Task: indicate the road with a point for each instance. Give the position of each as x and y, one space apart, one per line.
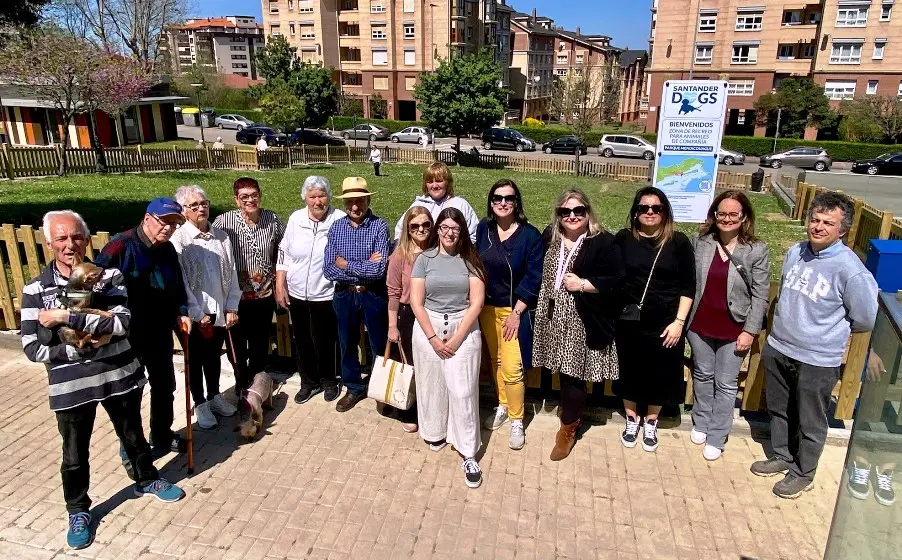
881 192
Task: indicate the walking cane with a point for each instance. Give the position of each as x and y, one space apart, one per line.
189 438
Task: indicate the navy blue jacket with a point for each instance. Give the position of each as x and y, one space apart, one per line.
521 281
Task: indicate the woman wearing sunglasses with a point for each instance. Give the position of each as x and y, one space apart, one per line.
575 316
438 194
511 249
414 237
660 285
732 274
447 289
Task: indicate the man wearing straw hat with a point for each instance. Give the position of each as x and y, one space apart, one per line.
355 259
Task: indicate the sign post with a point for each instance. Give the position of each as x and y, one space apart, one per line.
689 134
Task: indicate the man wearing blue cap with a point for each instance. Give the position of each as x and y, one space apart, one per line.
159 304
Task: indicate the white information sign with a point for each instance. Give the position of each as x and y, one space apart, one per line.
689 134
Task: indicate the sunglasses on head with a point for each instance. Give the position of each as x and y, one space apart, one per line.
578 211
501 198
655 208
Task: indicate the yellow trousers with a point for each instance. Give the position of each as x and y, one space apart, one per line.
505 356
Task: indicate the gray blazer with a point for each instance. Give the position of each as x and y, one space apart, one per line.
747 308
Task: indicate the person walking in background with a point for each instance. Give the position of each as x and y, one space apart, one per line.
732 277
255 234
376 159
511 250
414 236
302 288
438 194
261 144
447 289
581 274
158 301
218 145
657 298
205 254
826 293
356 259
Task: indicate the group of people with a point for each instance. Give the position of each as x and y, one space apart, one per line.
576 299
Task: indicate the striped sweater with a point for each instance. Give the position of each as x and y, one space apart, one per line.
93 375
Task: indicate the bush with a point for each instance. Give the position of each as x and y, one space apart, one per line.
839 151
533 123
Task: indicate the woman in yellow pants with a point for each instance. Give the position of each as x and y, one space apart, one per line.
512 251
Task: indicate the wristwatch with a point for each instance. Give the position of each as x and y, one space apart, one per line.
518 312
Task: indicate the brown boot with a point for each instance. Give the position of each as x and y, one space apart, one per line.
565 440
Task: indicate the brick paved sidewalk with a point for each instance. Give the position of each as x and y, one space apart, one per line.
325 485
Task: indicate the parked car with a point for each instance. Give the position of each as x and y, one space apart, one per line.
419 134
251 134
497 137
626 145
366 131
565 145
313 137
884 164
800 156
729 157
238 122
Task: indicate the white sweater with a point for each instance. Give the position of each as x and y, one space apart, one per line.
301 255
435 208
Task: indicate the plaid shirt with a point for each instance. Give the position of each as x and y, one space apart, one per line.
356 245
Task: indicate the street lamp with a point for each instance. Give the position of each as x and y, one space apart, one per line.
535 84
200 120
779 114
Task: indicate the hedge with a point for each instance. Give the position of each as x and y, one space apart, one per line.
252 114
839 151
343 123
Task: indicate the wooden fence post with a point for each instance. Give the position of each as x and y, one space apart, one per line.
349 153
304 153
851 376
327 154
886 225
15 257
8 163
235 150
32 259
207 155
140 159
175 157
7 310
754 381
852 235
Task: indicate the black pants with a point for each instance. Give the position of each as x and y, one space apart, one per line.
251 336
75 427
406 320
573 398
376 167
315 342
204 355
154 346
798 395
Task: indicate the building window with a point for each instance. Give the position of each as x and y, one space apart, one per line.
410 31
241 74
308 32
872 87
886 11
808 51
879 46
745 54
846 53
377 7
378 32
274 30
786 52
239 65
792 17
291 28
380 58
749 21
239 57
351 79
469 9
852 16
745 88
562 59
740 117
835 89
380 83
580 58
561 71
237 48
899 91
410 57
410 82
707 23
704 54
408 6
305 6
469 32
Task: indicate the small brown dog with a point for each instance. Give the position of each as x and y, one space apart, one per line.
76 295
253 400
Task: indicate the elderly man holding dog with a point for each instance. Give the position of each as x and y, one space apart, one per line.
79 378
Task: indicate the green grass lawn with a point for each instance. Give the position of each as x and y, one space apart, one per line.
115 202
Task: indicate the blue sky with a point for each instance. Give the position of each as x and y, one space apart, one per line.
627 21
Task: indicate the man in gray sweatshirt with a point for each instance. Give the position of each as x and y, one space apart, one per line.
826 293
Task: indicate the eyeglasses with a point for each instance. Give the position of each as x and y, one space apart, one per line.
502 198
195 206
248 197
725 215
165 224
425 226
577 211
655 208
449 229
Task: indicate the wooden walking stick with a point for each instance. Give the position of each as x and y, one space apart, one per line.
188 436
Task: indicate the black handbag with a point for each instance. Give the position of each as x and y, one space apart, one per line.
633 311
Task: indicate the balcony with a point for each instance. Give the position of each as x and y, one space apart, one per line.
803 33
349 55
348 30
349 6
643 104
458 10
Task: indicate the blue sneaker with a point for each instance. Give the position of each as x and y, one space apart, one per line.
162 490
79 534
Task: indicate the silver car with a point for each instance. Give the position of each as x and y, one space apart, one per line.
626 145
364 131
800 156
729 157
419 134
236 122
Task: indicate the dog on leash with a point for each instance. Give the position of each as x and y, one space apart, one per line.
253 401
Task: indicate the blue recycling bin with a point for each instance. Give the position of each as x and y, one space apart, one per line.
884 260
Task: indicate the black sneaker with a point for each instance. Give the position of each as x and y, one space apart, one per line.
307 393
859 483
472 473
331 393
769 467
792 487
631 433
883 491
650 435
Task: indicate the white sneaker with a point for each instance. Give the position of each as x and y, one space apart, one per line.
517 436
222 407
205 418
496 420
698 437
711 453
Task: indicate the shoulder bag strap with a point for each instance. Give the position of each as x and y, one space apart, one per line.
739 268
650 273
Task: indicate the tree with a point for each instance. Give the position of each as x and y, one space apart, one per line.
872 118
350 105
277 59
462 95
26 13
378 106
282 108
577 101
609 105
801 104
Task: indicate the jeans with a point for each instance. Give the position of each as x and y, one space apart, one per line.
798 395
156 348
351 309
376 166
250 339
506 359
315 332
76 425
715 381
204 364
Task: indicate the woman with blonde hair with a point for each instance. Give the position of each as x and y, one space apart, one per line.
574 328
438 194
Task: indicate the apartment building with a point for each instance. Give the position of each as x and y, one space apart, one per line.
632 84
379 47
851 47
227 44
533 40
